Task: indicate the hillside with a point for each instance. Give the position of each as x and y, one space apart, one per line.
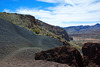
30 23
16 40
39 27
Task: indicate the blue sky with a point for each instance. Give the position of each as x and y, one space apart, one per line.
57 12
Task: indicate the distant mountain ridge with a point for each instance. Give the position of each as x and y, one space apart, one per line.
75 29
84 30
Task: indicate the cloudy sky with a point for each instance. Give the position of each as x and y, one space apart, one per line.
57 12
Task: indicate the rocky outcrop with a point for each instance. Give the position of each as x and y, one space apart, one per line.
54 29
91 53
65 54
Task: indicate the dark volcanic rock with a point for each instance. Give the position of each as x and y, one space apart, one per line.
91 53
65 54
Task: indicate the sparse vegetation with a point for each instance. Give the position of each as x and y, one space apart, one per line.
36 31
75 45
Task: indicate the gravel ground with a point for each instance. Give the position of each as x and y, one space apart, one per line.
31 63
14 38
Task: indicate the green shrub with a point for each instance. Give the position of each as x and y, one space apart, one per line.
36 31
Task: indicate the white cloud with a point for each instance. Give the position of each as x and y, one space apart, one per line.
6 10
52 1
61 18
67 12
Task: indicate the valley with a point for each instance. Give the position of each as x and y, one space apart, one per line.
83 34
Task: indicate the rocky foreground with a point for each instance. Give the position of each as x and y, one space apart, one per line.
70 56
64 56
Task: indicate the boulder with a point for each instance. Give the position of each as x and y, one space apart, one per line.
64 54
91 53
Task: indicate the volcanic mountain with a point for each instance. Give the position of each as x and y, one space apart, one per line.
85 31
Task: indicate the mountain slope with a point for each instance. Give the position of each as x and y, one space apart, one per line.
13 37
30 23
